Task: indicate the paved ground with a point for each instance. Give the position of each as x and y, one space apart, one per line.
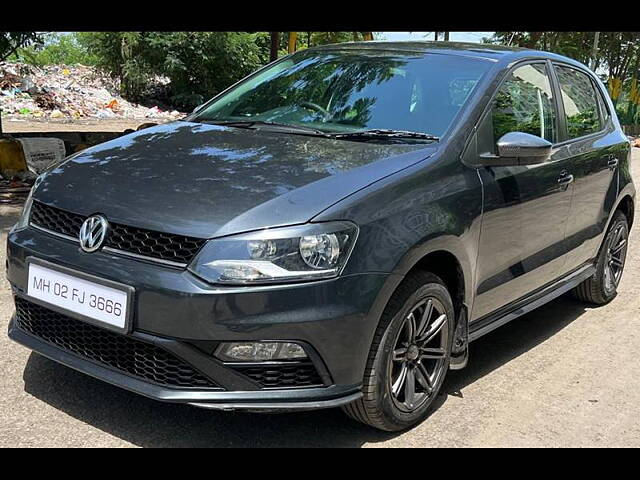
564 375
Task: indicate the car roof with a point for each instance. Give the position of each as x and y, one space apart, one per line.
498 53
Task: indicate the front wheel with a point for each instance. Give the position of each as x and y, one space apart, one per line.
602 287
409 357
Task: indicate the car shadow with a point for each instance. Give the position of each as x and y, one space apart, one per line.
148 423
513 339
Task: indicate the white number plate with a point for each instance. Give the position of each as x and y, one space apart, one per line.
88 299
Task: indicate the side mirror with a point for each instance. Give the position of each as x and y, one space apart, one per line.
518 148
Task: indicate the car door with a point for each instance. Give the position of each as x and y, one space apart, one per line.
593 147
521 246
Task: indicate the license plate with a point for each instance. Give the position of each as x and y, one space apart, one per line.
88 298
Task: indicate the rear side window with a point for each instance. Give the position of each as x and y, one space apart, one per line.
580 102
524 103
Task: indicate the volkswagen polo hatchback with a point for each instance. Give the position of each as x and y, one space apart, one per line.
333 230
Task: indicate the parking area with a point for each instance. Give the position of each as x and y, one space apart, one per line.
564 375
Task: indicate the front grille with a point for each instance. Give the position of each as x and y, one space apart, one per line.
122 353
284 375
148 243
56 220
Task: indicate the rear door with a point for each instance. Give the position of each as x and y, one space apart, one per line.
522 244
593 148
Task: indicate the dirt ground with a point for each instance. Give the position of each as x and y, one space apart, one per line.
563 375
68 125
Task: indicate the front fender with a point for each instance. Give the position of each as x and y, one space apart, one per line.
429 207
456 247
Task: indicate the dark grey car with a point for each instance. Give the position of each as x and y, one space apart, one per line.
331 231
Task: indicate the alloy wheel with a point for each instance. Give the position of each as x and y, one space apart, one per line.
616 256
419 356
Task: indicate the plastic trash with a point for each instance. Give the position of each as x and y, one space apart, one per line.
113 105
75 91
105 114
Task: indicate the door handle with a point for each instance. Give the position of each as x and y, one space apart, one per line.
612 163
565 178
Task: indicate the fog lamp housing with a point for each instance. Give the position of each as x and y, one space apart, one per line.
259 351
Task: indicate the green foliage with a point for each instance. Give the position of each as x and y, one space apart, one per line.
203 64
628 112
198 64
312 39
577 45
10 42
618 54
324 38
56 49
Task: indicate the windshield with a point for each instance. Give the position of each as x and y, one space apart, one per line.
349 91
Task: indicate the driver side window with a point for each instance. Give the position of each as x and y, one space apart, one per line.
524 103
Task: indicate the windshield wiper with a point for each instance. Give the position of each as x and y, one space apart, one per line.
260 123
373 133
386 133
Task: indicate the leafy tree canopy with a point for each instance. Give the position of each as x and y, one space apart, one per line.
10 42
55 49
198 64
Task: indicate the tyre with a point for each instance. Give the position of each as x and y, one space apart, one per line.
602 287
409 357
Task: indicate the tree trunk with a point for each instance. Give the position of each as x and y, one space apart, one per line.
275 43
594 52
533 40
293 38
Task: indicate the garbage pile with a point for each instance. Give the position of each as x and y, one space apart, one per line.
59 91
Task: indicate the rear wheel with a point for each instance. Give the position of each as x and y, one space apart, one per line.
602 287
409 357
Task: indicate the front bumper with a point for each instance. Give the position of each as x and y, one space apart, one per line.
335 320
308 398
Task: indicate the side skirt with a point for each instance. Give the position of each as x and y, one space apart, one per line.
485 325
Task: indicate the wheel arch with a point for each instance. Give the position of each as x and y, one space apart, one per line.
448 268
444 257
626 205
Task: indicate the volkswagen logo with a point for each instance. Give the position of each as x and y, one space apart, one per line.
93 233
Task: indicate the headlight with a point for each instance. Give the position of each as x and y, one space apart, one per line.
23 221
306 252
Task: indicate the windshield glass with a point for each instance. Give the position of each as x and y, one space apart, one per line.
349 91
